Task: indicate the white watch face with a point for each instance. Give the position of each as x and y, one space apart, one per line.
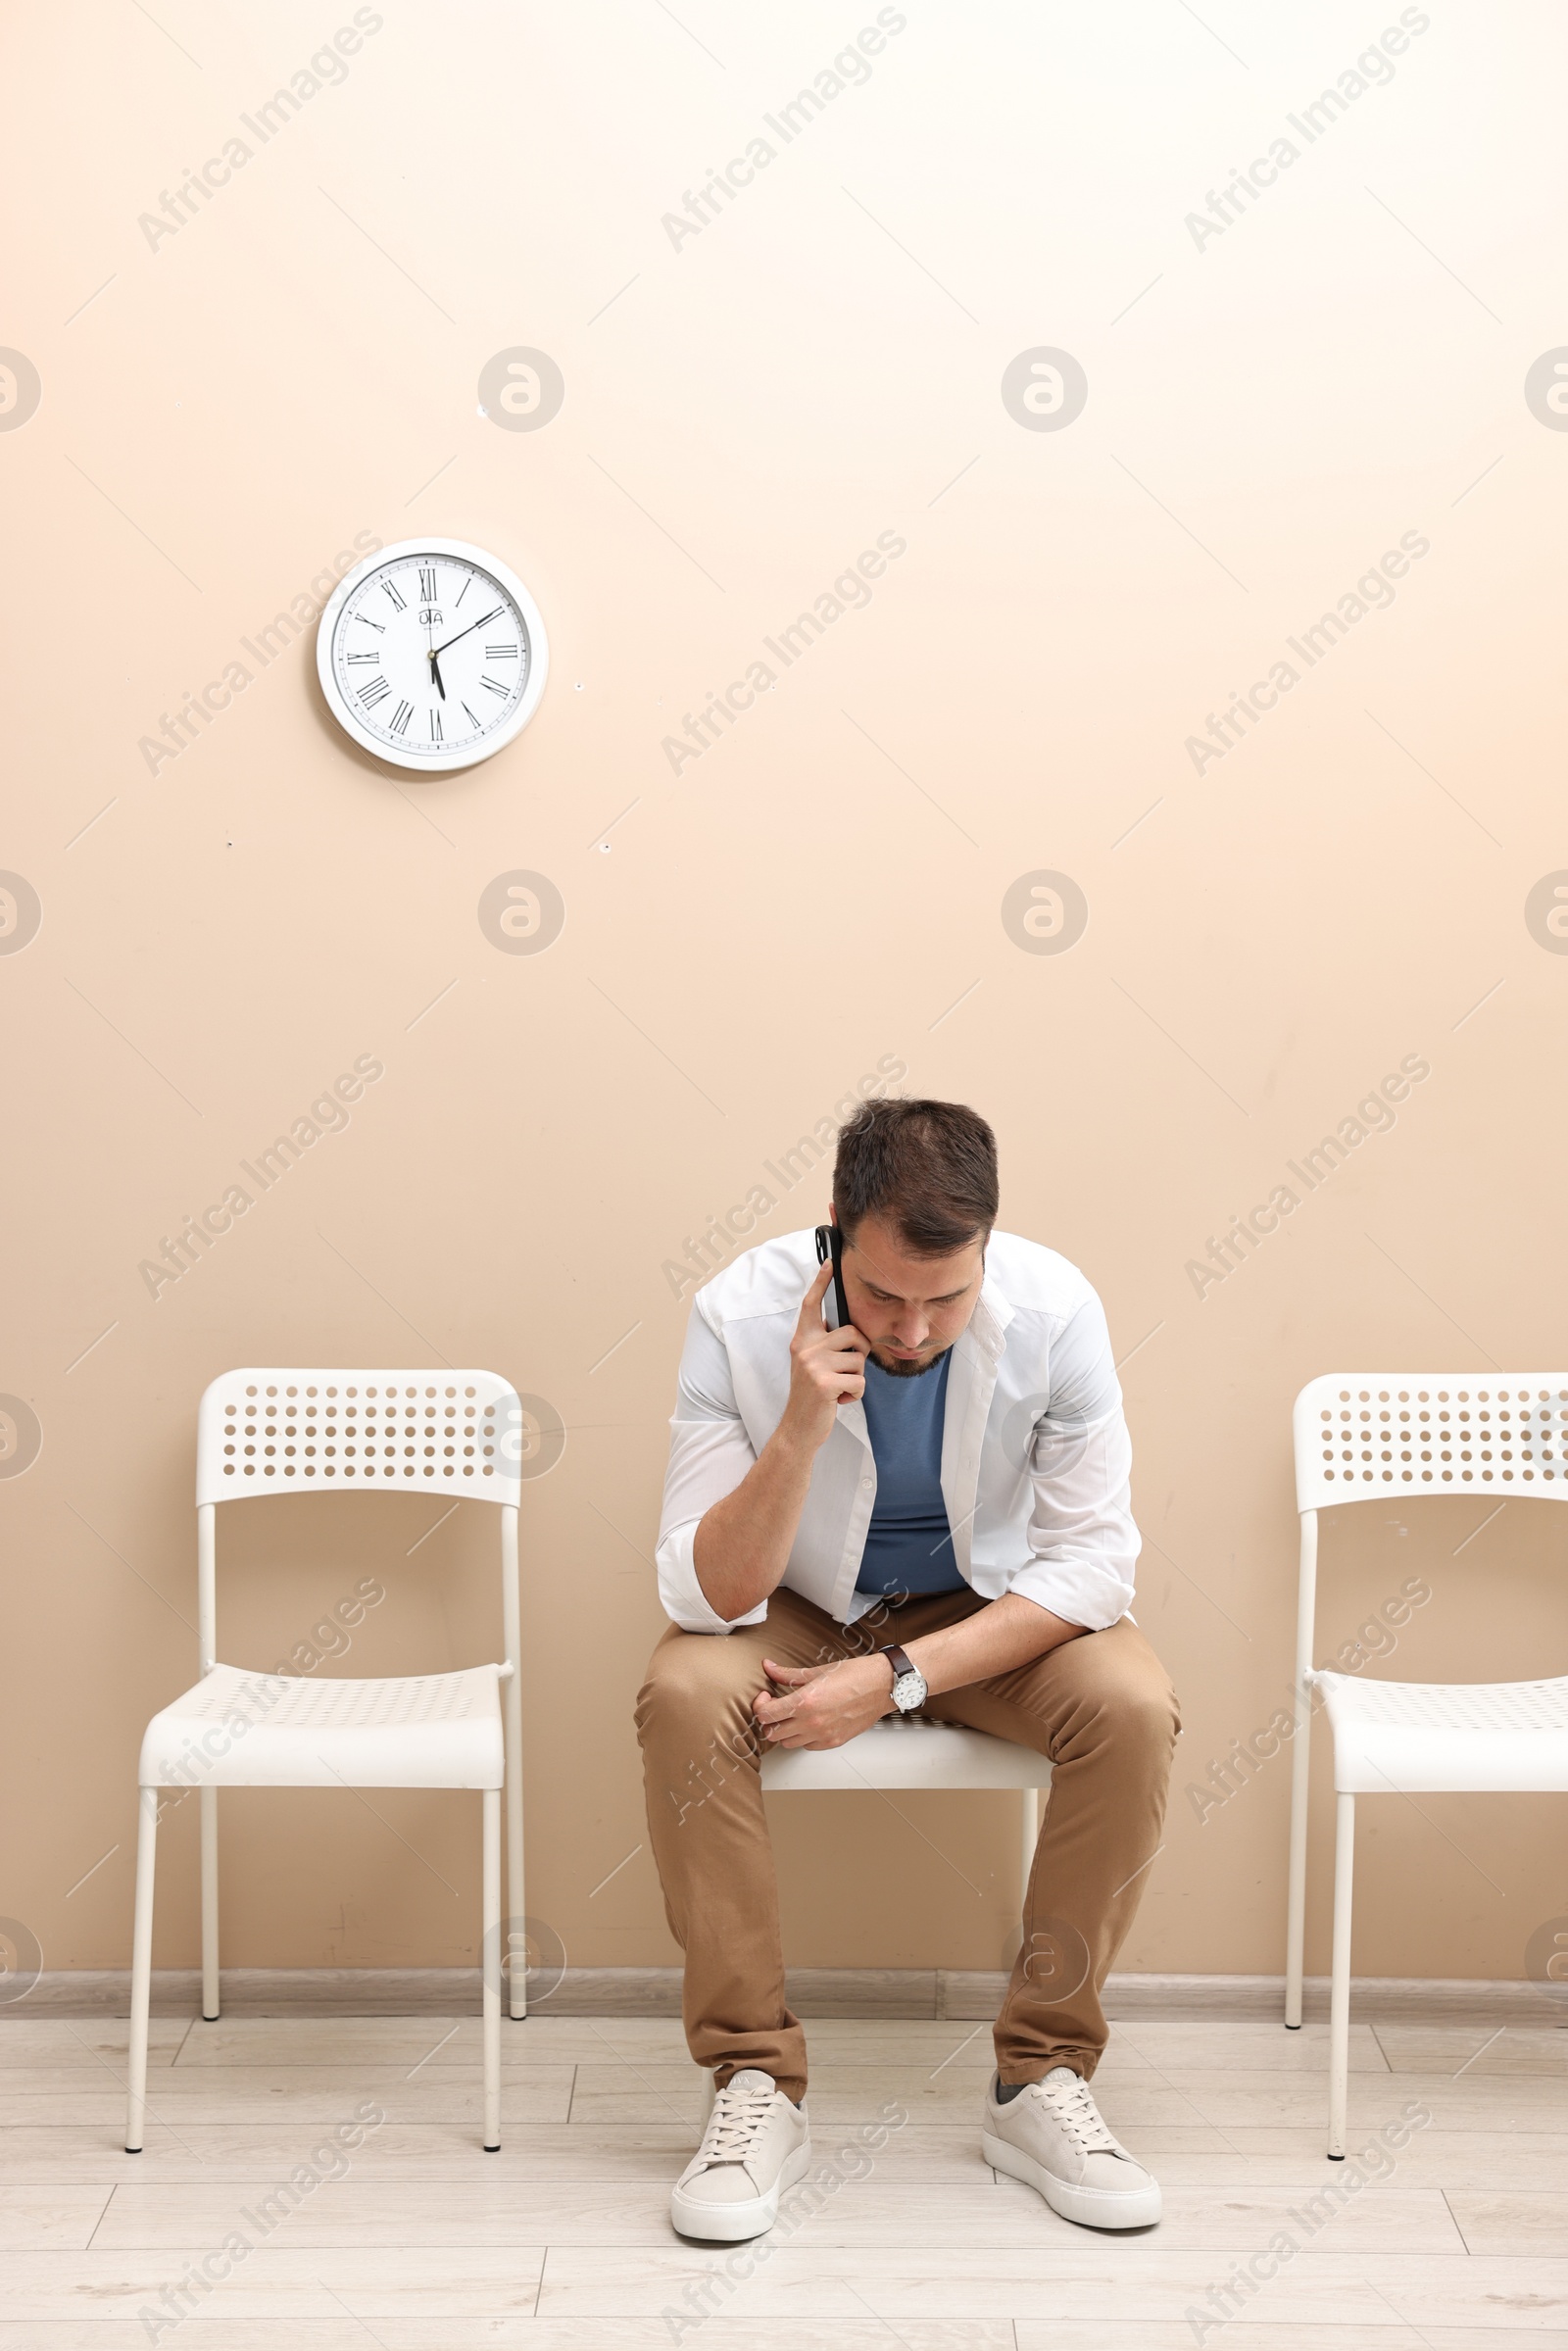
432 653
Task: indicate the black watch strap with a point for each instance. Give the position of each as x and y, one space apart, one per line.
900 1661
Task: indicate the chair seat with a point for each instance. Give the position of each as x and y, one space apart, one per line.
905 1751
236 1729
1464 1737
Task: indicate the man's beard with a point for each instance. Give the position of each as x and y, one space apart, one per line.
908 1371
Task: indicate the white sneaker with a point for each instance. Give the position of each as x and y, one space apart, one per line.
1050 2136
757 2145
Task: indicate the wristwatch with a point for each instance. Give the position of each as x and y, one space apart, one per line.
908 1683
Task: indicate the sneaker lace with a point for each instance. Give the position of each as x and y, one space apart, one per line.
1075 2110
739 2111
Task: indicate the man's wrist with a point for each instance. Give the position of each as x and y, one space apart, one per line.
882 1695
901 1662
914 1660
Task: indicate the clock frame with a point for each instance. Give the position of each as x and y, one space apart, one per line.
407 723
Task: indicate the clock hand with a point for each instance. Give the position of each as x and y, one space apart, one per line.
472 625
435 670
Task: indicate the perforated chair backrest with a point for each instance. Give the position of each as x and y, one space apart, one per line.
268 1430
1362 1435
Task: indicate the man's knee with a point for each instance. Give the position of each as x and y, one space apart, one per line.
1139 1710
694 1686
1123 1699
693 1723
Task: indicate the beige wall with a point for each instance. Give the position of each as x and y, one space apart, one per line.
1269 410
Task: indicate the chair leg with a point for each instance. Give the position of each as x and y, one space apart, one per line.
209 1804
490 1948
142 1969
516 1905
1295 1907
1340 1987
1026 1851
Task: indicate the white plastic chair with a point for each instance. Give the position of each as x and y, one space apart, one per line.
1359 1437
909 1750
274 1432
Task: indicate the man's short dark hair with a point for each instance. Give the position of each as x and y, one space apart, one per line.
928 1168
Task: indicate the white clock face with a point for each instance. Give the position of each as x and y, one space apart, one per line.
432 653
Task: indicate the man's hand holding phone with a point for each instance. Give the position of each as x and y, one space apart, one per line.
742 1544
827 1369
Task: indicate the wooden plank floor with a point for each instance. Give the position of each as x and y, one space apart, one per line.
416 2240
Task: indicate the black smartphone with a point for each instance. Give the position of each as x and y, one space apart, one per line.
830 1244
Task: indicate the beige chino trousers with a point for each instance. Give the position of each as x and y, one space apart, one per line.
1100 1706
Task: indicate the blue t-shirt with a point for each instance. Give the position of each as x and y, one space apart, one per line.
908 1544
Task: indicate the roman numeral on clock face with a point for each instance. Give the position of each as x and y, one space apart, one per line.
365 657
436 735
396 601
502 653
427 583
496 687
401 717
374 691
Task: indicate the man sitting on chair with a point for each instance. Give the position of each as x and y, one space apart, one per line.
952 1469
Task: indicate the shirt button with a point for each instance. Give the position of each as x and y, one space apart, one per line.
866 1481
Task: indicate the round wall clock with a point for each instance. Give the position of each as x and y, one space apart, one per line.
432 653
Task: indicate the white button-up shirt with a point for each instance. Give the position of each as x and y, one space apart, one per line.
1036 1458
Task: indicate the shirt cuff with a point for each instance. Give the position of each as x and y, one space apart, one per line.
1076 1592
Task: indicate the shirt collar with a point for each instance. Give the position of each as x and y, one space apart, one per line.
992 1314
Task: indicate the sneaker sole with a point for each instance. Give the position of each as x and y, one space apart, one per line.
1093 2207
724 2224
